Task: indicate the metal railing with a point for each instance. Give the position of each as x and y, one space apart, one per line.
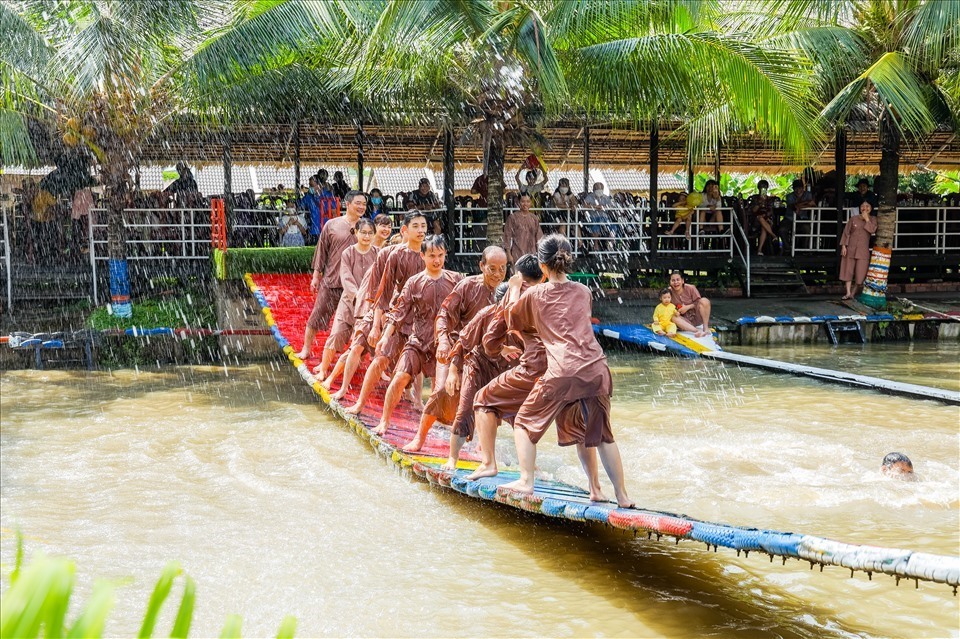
608 232
927 229
816 230
6 261
155 234
258 227
706 237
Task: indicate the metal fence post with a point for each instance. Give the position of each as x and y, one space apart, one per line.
6 259
93 256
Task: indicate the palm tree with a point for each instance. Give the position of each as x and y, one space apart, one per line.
106 75
498 65
893 62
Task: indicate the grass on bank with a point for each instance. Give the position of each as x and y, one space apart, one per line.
286 259
192 308
36 602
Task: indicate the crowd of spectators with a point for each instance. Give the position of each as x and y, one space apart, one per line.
52 218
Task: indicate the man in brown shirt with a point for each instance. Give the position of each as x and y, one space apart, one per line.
418 303
522 230
336 236
503 397
398 269
694 310
350 361
464 302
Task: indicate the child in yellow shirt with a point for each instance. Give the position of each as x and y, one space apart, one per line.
663 315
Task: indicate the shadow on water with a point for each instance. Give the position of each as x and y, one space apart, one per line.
689 589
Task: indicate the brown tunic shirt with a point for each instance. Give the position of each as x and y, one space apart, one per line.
533 360
419 303
401 265
688 296
464 302
336 236
560 313
469 348
521 234
856 237
353 268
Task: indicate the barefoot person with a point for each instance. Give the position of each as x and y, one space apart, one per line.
418 305
349 362
575 391
401 265
693 310
466 300
356 261
478 370
336 236
503 397
855 249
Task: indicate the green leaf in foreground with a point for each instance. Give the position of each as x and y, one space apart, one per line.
288 627
160 593
181 626
231 629
93 619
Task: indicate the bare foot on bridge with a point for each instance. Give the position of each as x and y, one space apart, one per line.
483 471
519 486
414 445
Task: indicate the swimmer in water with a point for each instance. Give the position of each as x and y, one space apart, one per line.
897 465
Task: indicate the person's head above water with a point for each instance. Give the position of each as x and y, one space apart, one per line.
897 465
529 267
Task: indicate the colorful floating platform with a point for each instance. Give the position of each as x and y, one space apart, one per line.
684 345
286 303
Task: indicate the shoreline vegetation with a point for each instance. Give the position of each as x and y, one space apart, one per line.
39 594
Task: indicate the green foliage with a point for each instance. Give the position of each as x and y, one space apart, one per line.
947 182
286 259
37 601
193 308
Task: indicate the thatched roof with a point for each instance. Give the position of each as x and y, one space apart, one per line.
611 148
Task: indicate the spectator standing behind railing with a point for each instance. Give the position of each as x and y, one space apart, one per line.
424 199
596 204
339 187
864 194
184 189
532 185
311 204
521 232
376 206
293 227
565 202
480 187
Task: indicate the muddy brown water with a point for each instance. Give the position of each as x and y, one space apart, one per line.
275 509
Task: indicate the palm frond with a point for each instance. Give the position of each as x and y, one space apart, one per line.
901 91
932 31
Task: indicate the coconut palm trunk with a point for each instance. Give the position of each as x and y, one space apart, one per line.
874 292
495 190
117 184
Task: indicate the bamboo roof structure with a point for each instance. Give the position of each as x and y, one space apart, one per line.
610 147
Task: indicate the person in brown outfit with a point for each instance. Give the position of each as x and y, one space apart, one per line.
522 230
466 300
399 267
855 248
336 236
502 398
357 260
349 362
418 304
478 370
575 390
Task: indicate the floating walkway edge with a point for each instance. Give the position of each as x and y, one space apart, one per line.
564 501
642 336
